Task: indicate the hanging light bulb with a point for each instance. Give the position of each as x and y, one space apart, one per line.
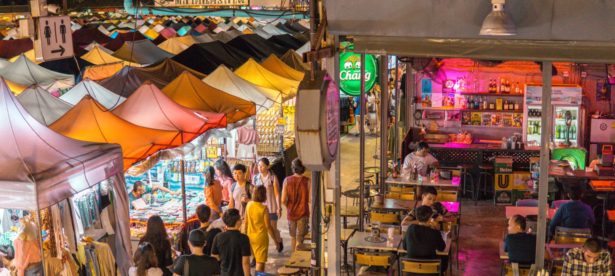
497 22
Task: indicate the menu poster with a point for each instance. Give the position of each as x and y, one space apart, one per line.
570 95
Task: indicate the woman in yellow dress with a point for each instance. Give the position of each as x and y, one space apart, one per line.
258 226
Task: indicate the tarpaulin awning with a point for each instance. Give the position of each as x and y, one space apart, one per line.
256 46
85 36
89 121
259 75
275 65
191 92
150 107
4 63
187 40
225 80
100 72
98 57
15 47
304 49
69 65
30 55
173 46
165 72
42 106
141 52
24 72
286 41
41 167
118 42
223 36
90 88
206 57
294 60
100 47
204 38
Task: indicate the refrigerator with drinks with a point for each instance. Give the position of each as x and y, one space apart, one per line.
567 116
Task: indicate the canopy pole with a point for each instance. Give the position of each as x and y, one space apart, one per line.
384 117
362 146
543 182
182 163
316 226
397 112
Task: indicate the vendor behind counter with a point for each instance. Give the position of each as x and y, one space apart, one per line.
420 159
139 189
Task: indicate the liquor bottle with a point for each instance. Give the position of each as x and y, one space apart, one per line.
477 103
508 88
517 106
518 88
485 104
511 106
502 86
573 132
471 103
505 107
557 132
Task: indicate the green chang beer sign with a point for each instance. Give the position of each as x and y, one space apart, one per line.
350 73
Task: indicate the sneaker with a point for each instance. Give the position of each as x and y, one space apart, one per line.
280 247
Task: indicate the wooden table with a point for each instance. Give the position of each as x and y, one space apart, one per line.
394 205
300 259
448 184
526 211
447 249
348 211
568 173
602 185
358 241
611 215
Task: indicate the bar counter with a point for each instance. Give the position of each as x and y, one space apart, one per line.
453 154
568 173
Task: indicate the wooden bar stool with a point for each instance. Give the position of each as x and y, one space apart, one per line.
485 178
465 170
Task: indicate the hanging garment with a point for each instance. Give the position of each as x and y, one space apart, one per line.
105 259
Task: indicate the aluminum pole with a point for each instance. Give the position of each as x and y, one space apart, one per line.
362 147
384 119
316 218
543 182
397 113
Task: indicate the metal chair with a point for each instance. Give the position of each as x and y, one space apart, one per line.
527 203
565 235
465 171
371 259
448 196
485 178
420 266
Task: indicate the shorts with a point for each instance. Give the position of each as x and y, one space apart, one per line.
298 228
273 216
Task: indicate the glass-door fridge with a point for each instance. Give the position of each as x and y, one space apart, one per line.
567 116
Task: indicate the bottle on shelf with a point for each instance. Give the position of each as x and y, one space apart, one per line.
517 106
573 132
491 106
511 106
485 104
557 132
518 88
505 107
502 88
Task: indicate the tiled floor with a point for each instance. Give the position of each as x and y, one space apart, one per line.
482 225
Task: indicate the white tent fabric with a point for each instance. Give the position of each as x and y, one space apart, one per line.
4 63
42 106
39 168
95 44
102 95
304 49
262 33
273 30
25 72
224 79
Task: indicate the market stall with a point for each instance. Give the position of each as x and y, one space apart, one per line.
44 172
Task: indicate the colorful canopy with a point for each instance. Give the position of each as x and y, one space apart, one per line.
225 80
29 54
256 46
89 121
204 38
173 45
275 65
98 56
14 47
142 52
206 57
24 72
42 106
150 107
41 167
90 88
191 92
259 75
100 72
294 60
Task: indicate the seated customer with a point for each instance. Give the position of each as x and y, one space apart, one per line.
520 245
574 214
590 259
428 198
421 240
197 263
420 159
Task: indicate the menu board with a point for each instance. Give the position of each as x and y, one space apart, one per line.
567 95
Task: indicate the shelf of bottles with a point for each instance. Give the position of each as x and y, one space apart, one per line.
561 130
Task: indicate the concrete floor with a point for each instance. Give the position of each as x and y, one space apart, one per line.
481 229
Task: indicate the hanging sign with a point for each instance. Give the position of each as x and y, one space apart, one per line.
55 37
350 73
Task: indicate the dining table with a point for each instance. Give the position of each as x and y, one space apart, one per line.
393 205
366 241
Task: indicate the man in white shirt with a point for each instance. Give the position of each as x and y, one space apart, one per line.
421 159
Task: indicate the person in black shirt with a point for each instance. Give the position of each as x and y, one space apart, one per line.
232 247
521 246
421 240
196 264
203 212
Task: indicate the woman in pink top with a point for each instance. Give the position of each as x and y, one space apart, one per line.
27 251
225 177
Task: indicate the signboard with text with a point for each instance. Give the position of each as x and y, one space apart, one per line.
350 73
55 36
177 3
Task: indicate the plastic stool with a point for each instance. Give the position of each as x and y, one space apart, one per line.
485 176
288 271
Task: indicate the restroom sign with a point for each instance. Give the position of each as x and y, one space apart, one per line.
56 37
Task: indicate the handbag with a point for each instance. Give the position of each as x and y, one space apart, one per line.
186 266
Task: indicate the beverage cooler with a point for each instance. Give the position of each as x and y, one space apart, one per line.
567 115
